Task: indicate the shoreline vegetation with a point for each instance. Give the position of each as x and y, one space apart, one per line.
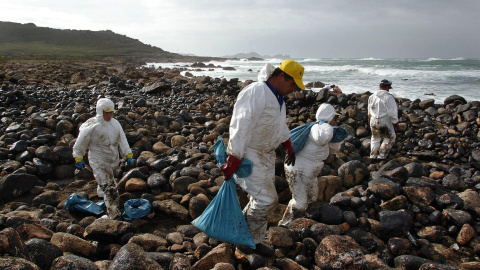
420 209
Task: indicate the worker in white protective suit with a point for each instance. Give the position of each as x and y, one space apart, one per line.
302 177
258 126
383 115
103 136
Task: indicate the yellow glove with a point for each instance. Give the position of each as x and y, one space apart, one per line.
79 163
130 159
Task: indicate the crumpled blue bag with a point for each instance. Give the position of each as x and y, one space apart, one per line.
76 202
299 135
135 209
339 134
223 218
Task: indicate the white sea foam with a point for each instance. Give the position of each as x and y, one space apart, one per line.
412 78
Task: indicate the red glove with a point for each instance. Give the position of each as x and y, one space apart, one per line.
397 126
290 156
230 167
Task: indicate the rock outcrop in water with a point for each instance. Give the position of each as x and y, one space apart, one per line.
419 210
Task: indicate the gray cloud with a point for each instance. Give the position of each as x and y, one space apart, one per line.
305 28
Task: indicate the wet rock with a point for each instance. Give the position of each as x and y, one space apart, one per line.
156 181
467 232
453 99
106 230
30 231
336 251
42 252
197 205
384 188
458 217
222 253
410 262
14 185
353 173
8 262
180 184
162 258
328 186
148 242
420 196
325 213
171 208
71 261
11 243
136 185
180 261
438 253
394 223
48 197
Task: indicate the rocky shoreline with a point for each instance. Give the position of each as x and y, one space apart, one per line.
420 210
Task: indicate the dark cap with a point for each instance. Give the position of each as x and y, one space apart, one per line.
386 83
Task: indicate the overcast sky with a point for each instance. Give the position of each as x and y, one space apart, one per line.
301 28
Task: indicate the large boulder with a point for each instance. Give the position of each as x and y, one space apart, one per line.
353 173
15 185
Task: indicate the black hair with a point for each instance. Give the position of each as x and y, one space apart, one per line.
278 71
384 85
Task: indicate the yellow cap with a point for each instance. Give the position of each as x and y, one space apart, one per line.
109 109
295 70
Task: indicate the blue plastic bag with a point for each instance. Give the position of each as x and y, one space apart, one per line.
76 202
135 209
299 135
223 218
245 167
339 134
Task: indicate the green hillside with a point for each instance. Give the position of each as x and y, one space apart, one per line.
28 40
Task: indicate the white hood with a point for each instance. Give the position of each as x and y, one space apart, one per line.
265 72
102 104
325 113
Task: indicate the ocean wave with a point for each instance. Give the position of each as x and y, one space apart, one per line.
444 59
371 59
310 60
412 73
331 68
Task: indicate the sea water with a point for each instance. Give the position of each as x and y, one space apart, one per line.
412 78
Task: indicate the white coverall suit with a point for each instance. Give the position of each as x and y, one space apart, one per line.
302 178
383 113
103 139
258 126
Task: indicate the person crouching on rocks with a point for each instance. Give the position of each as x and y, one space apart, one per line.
302 176
103 136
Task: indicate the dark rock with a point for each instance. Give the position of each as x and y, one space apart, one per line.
42 252
353 173
410 262
394 223
14 185
331 253
105 230
7 262
453 98
71 261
